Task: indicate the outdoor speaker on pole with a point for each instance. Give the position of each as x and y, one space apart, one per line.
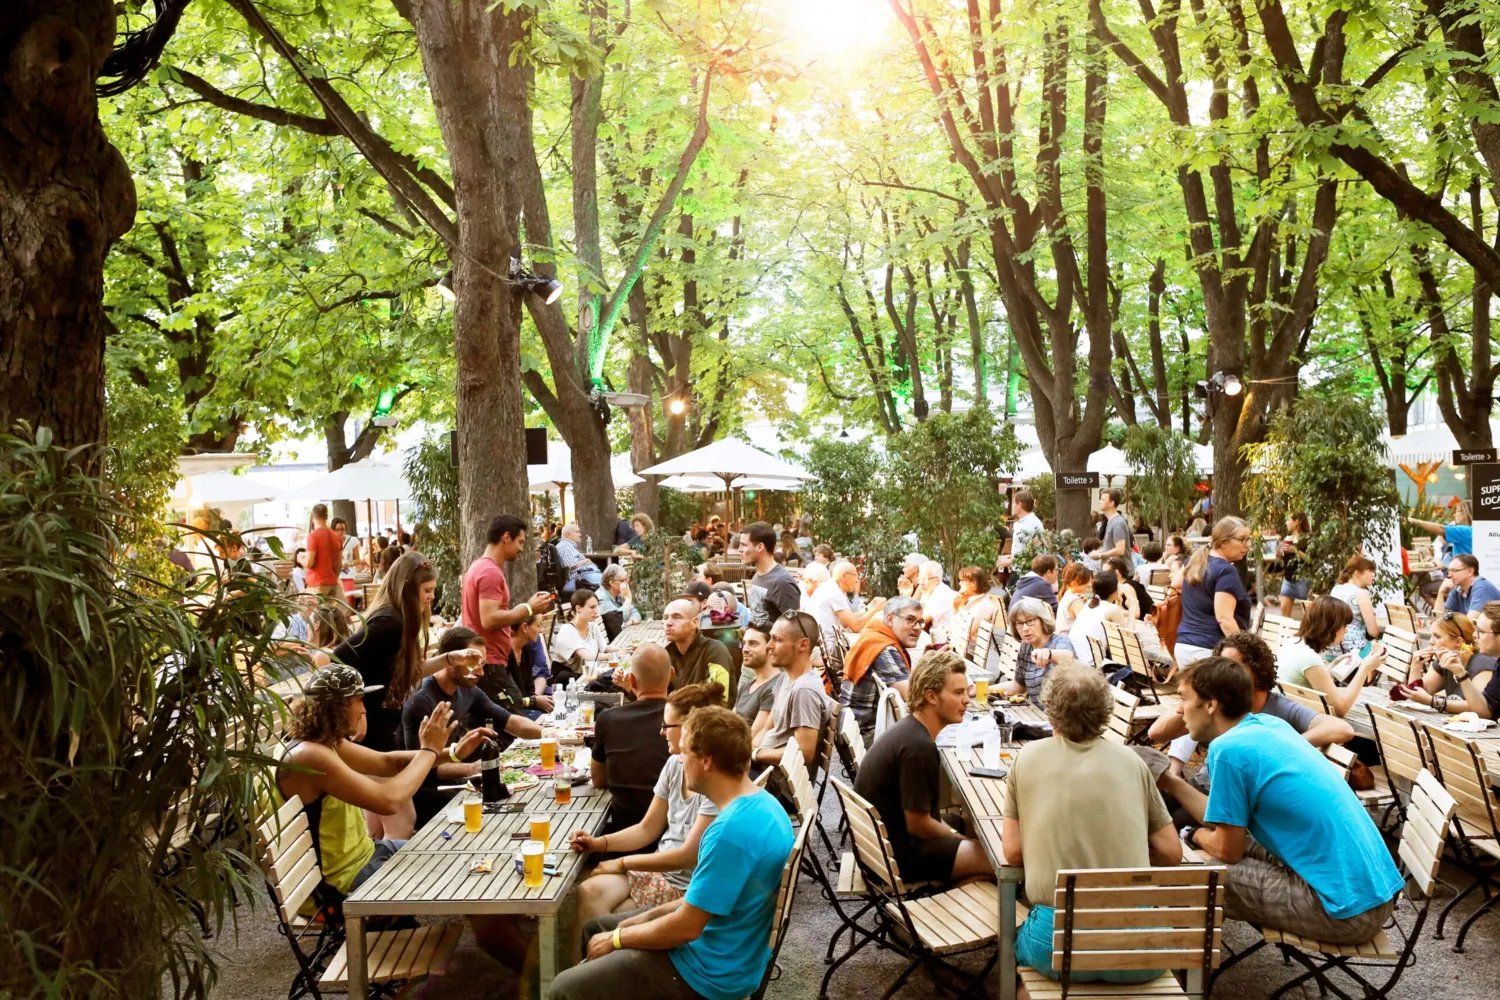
536 446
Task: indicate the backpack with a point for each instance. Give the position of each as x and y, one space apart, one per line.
551 574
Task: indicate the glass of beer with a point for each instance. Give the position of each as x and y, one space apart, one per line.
531 861
586 712
473 814
549 752
541 831
982 691
562 786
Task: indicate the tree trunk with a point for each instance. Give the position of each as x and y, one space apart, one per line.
466 51
65 196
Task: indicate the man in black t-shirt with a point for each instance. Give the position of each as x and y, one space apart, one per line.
771 592
472 709
900 777
630 748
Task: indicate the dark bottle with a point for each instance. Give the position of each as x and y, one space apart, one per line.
493 788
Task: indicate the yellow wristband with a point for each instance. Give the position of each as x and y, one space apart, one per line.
529 612
615 939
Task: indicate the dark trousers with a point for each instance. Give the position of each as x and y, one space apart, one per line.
643 973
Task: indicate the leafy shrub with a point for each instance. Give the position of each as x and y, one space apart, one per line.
434 487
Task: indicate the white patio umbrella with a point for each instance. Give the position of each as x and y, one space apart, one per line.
734 462
1203 458
708 484
1033 463
225 487
1109 461
373 479
557 473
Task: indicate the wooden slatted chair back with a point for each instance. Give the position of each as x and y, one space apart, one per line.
1122 722
1138 918
979 652
1461 771
1114 642
1135 657
1340 757
794 768
1402 616
788 890
1005 659
1098 651
895 704
370 590
1400 646
288 858
959 627
1157 592
1429 815
1305 696
1159 578
871 846
850 735
1401 751
827 738
1002 615
1277 629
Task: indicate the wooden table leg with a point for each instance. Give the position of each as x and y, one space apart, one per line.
1007 941
546 949
354 944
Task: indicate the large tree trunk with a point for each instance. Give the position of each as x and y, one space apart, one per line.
65 196
466 51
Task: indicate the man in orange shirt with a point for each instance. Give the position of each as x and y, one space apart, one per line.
325 556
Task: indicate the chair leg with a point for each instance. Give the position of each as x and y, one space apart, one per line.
901 980
855 931
1437 932
1488 906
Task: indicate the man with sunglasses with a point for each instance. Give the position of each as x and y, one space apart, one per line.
801 708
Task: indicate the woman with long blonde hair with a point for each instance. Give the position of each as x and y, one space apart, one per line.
1214 600
389 650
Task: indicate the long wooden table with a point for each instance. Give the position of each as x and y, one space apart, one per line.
430 875
652 631
1487 741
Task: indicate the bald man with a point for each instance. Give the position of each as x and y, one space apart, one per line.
696 659
630 749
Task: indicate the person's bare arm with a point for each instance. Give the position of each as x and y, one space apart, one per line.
520 726
1167 727
1473 693
1186 794
1227 843
762 723
597 773
1224 605
1326 729
1164 847
1341 700
1010 841
1431 527
632 838
677 859
494 615
677 928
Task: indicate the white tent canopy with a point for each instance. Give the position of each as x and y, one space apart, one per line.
373 479
1428 444
558 470
217 461
225 487
729 460
1109 461
1033 463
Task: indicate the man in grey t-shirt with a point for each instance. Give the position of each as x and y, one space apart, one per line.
1116 528
772 591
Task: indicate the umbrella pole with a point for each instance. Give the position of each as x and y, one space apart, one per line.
369 518
562 503
398 521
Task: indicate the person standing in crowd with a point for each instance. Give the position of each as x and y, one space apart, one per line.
1214 601
1353 588
1292 556
457 685
389 653
1116 538
1465 591
772 591
900 777
759 681
1040 583
880 650
1320 635
486 598
1458 537
801 708
325 556
695 658
350 556
1041 648
1254 654
1077 579
1449 661
616 606
581 569
299 570
713 942
1026 524
674 823
1077 800
629 748
1303 854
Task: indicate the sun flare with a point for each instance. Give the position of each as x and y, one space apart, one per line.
826 29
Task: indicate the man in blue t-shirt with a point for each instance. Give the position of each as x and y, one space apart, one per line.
1465 591
1303 854
712 944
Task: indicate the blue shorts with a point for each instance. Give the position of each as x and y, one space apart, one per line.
1296 589
1034 948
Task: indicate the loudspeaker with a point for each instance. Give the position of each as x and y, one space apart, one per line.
536 446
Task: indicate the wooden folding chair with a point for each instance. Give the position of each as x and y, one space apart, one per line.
925 929
1125 647
1159 578
1400 646
1402 616
1002 616
1420 852
978 659
889 709
1008 648
290 864
1157 591
1276 629
1401 753
1133 919
1461 769
782 921
1305 696
1098 651
958 633
1122 723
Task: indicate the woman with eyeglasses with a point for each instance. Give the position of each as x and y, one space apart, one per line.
390 650
674 821
1485 701
1214 601
1448 662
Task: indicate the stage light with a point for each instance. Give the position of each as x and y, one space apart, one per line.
677 407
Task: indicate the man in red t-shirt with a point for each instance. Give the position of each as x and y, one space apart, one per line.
325 556
486 597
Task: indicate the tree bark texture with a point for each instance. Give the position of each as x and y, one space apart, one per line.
481 104
65 196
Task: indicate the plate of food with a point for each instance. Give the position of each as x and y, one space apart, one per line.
517 780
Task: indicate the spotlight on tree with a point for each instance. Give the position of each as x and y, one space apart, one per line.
549 289
445 287
677 407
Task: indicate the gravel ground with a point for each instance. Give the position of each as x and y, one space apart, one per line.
256 964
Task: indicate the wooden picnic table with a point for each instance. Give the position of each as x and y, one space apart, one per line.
639 632
430 875
1487 741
